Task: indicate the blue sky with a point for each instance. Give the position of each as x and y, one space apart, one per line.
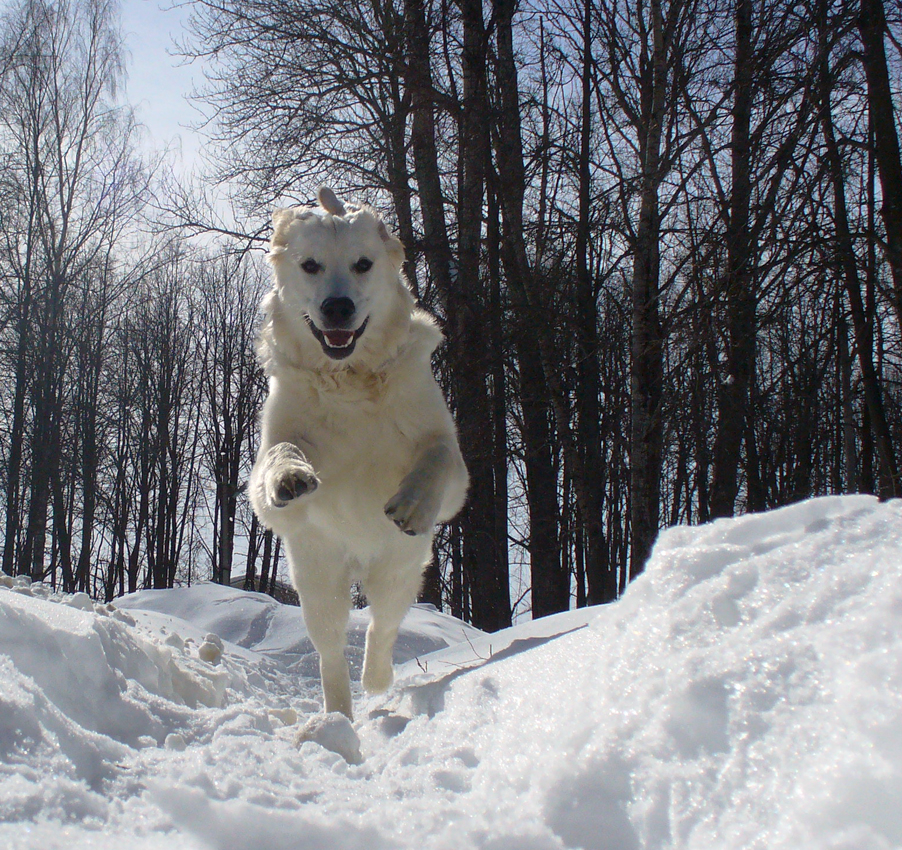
158 82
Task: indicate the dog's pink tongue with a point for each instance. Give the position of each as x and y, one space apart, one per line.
338 339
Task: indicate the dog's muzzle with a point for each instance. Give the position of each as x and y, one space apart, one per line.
337 343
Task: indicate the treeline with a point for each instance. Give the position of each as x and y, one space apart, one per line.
130 388
663 240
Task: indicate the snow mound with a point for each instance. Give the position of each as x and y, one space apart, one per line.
333 732
257 623
745 693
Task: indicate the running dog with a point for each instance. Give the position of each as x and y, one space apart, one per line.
358 455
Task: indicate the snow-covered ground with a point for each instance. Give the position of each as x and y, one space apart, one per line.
745 693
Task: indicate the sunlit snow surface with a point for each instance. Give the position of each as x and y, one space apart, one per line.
745 693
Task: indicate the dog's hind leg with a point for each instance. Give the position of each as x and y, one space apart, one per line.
390 595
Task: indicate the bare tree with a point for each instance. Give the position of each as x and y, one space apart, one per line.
232 391
872 28
77 182
846 260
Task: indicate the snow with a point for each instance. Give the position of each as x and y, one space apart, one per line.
746 692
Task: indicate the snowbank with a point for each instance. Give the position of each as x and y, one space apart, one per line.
746 692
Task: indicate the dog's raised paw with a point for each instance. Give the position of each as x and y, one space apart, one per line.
287 475
291 485
412 513
400 518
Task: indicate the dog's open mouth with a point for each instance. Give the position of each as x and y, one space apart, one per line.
337 343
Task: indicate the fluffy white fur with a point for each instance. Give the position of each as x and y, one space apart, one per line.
358 457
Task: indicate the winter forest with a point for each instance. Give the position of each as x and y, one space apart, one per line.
664 240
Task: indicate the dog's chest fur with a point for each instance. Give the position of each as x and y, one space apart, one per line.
361 433
346 393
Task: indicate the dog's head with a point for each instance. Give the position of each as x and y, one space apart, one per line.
337 280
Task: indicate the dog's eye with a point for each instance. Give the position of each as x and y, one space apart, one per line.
311 266
362 265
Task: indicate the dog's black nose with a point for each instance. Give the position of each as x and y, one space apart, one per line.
337 311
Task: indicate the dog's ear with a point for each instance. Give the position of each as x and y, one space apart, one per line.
393 245
329 202
282 219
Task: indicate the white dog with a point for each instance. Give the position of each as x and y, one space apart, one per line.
358 456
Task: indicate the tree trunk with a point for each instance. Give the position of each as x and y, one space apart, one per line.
601 579
266 564
646 372
228 508
550 583
12 562
739 287
872 27
461 293
472 327
253 546
497 350
887 471
521 277
849 454
90 450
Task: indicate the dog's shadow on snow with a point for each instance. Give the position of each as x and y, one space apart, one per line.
428 697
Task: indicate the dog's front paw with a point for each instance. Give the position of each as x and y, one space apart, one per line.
292 484
289 475
412 510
